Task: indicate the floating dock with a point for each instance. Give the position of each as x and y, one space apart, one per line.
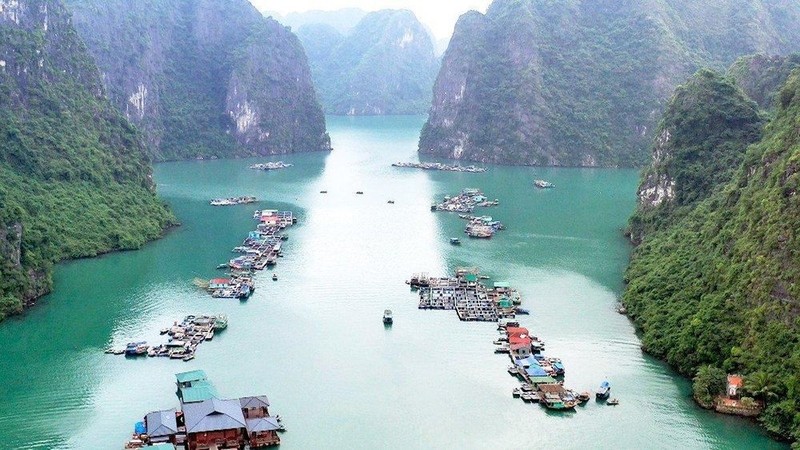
466 295
183 338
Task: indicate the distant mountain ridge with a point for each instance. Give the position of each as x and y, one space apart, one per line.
584 83
385 65
342 20
204 78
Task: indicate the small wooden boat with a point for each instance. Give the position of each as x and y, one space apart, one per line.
274 277
613 402
189 357
387 317
584 397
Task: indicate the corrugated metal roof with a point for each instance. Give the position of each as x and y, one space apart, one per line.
161 423
192 375
213 415
260 401
262 424
198 392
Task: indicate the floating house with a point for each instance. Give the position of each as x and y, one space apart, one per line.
194 387
161 426
214 424
262 430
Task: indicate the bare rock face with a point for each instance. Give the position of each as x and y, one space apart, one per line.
584 83
658 186
204 78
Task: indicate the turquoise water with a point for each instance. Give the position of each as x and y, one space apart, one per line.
314 342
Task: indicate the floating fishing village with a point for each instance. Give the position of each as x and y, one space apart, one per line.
183 338
541 377
204 420
261 249
440 167
233 201
271 166
482 227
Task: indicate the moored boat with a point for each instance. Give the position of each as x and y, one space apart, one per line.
604 391
387 317
455 241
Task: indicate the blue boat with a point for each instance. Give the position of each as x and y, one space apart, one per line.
604 391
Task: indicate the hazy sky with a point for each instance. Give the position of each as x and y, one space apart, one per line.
439 15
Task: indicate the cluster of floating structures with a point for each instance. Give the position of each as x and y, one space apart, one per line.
541 377
233 201
483 227
477 226
465 202
467 296
440 166
184 338
261 249
206 421
271 166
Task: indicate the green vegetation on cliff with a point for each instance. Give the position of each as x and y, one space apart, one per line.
700 142
583 83
761 76
720 286
183 72
74 177
385 65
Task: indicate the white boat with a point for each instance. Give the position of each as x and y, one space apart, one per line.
387 317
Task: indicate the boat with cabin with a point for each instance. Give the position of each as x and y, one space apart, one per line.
455 241
604 391
542 184
387 317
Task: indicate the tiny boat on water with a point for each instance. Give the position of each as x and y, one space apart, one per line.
516 392
359 192
455 241
522 311
584 397
274 277
387 317
604 391
323 192
613 402
541 184
391 202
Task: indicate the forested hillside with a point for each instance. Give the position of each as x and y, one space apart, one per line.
75 180
715 284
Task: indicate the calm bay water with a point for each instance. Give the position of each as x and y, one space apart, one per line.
314 342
